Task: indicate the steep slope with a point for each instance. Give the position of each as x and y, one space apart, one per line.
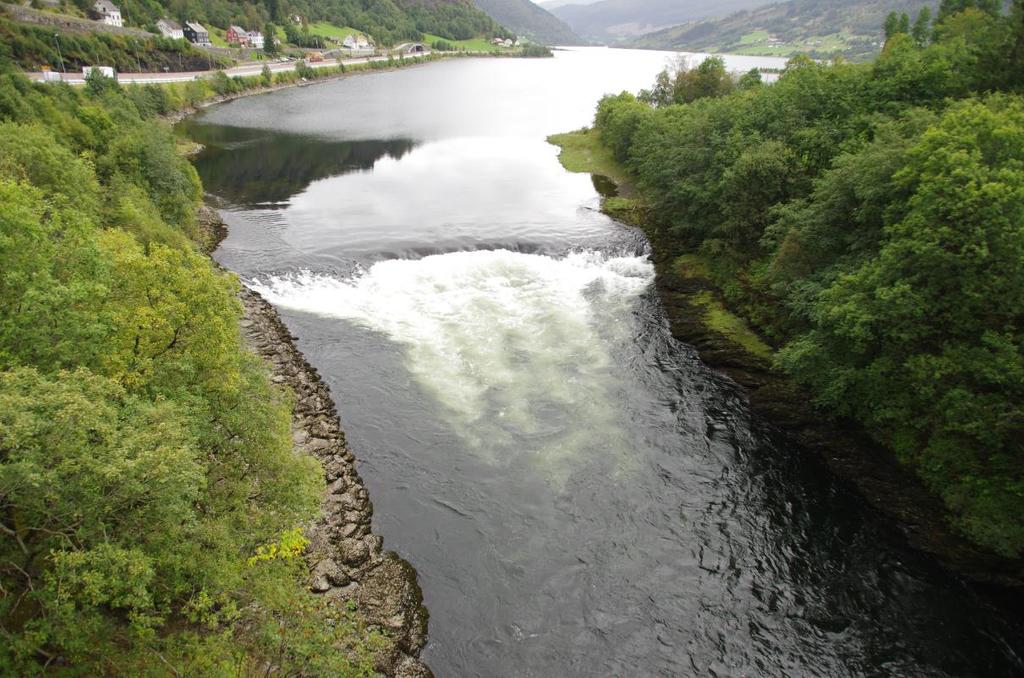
388 21
821 28
609 21
522 17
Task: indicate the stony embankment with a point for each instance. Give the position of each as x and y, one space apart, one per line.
347 562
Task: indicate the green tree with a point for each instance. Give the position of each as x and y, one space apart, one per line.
922 26
892 25
949 7
924 340
269 38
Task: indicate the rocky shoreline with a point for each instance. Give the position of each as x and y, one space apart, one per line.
347 561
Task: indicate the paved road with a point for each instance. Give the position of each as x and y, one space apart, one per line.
249 69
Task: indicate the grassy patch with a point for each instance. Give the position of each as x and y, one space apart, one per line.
755 44
583 151
471 45
755 37
730 326
691 266
217 37
326 30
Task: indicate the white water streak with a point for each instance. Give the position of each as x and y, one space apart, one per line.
515 346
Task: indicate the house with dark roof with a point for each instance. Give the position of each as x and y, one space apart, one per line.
196 34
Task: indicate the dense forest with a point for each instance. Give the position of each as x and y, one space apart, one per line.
869 220
151 507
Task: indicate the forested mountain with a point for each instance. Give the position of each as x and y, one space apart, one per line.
869 220
522 17
821 28
388 21
609 21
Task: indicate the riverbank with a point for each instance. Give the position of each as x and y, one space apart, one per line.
698 316
347 562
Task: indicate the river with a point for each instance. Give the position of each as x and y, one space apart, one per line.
580 495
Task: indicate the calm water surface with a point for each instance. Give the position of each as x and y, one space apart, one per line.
580 495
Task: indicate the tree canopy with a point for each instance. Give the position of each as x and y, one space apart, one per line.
869 219
145 457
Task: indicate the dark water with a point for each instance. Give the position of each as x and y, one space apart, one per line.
580 495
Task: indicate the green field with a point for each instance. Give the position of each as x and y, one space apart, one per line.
755 37
582 151
217 36
472 45
755 43
326 30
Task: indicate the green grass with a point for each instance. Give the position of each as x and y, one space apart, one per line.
754 37
582 151
715 315
326 30
472 45
217 37
691 266
730 326
752 44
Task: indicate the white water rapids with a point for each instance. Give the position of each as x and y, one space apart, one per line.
514 346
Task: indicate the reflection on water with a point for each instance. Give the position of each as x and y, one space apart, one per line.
252 168
580 496
605 186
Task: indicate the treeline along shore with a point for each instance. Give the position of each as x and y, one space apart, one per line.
849 243
176 495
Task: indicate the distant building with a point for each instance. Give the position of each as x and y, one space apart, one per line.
256 40
236 35
356 41
196 34
170 29
109 13
105 71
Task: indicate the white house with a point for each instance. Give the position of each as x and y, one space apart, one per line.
356 41
109 13
170 29
256 40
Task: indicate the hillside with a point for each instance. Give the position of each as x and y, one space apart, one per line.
821 28
610 21
388 21
522 17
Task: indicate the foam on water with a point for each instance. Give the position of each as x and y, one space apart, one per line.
516 347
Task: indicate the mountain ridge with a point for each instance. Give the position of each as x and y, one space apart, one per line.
610 21
820 28
530 20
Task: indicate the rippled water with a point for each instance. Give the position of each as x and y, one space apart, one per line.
579 494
